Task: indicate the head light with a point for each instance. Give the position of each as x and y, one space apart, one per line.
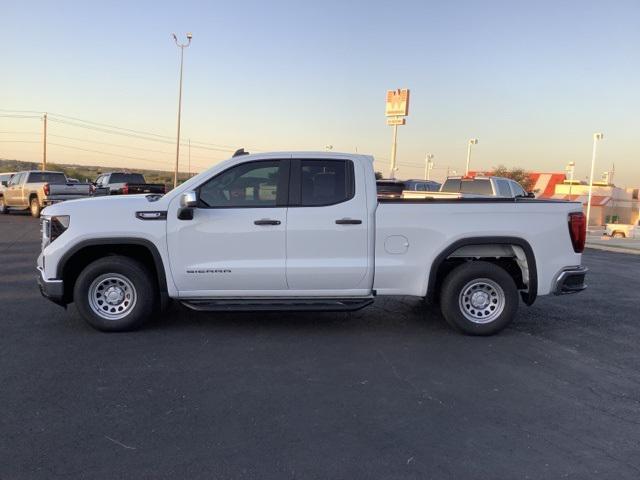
53 227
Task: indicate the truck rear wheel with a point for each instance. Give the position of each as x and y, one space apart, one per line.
34 206
618 235
115 293
3 207
479 298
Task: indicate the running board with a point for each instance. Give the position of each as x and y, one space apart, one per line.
296 304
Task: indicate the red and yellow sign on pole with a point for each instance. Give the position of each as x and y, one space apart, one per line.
396 108
397 103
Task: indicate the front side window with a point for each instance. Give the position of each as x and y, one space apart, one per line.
518 191
15 180
326 182
247 185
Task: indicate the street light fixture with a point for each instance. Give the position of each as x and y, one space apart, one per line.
472 141
570 168
181 46
428 166
596 138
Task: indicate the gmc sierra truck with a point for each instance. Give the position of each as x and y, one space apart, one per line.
306 231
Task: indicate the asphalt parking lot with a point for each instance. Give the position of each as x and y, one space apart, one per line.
388 392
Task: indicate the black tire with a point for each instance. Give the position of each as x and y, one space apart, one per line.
3 207
34 207
618 235
495 303
124 279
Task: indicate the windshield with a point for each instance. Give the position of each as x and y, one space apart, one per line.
55 178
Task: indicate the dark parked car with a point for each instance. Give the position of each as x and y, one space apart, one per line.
124 183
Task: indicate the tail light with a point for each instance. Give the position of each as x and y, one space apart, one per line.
578 230
45 189
125 188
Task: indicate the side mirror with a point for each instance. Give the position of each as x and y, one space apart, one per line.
4 183
531 195
189 199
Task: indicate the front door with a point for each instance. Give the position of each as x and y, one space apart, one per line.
13 191
328 226
235 243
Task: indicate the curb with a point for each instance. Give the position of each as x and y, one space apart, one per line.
612 248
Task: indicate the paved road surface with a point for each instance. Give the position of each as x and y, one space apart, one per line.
388 392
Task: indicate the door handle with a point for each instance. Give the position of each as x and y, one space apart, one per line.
266 221
348 221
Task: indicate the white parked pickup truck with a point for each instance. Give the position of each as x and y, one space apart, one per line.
621 230
305 231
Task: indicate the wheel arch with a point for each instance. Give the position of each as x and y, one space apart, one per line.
78 256
443 263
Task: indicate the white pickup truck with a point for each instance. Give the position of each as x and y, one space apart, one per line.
305 231
621 230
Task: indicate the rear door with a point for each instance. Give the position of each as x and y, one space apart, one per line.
327 228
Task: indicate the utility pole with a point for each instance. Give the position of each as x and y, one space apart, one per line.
473 141
596 137
182 47
44 144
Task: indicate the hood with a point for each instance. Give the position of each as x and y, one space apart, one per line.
108 203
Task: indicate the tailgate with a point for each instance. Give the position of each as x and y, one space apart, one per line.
69 191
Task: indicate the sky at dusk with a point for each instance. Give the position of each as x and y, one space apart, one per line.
531 80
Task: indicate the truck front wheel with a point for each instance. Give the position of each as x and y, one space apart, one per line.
115 293
479 298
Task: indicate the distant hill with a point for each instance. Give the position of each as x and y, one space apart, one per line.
83 172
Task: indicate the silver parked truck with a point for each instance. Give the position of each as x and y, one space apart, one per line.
35 189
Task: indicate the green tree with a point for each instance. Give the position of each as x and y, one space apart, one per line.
518 174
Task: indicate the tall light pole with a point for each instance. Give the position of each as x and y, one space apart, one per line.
428 166
570 168
596 138
472 141
182 47
44 144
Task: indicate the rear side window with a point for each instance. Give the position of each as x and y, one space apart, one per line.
326 182
126 178
503 188
54 178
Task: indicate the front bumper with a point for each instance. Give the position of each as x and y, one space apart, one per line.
570 280
51 289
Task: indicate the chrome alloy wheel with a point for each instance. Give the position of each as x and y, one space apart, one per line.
112 296
481 300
